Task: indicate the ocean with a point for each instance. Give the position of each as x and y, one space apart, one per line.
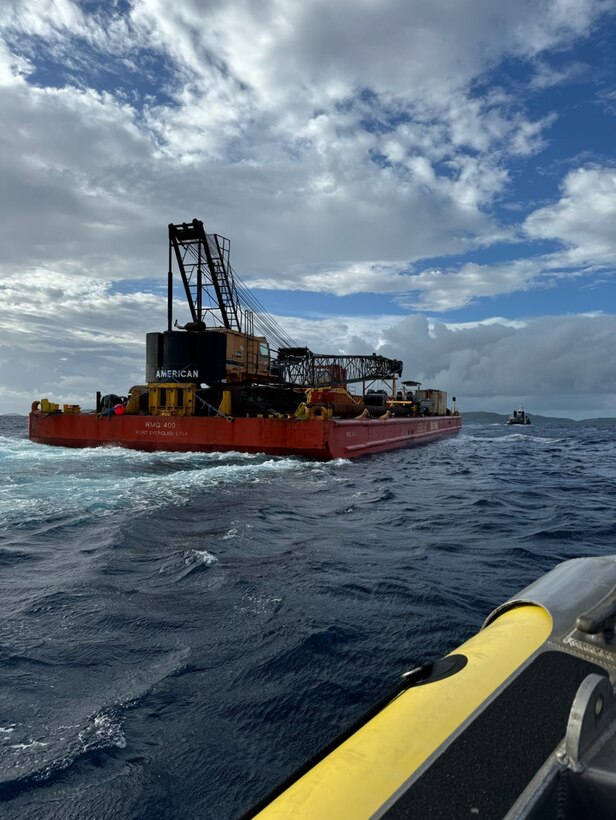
179 632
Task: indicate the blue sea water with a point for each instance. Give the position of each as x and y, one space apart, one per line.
178 632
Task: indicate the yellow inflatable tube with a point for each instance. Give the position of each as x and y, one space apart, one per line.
360 776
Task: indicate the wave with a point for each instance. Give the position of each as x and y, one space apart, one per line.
27 760
96 484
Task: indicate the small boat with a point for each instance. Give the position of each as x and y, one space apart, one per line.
519 416
518 722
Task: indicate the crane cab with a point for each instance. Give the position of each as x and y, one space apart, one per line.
247 357
211 356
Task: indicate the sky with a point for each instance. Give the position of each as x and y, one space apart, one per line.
432 180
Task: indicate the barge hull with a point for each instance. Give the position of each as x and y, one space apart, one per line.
322 439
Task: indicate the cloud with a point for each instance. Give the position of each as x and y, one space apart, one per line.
548 76
344 147
443 290
66 337
583 219
551 364
288 125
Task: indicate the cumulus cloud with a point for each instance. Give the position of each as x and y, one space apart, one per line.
584 217
342 147
552 365
66 337
581 221
288 124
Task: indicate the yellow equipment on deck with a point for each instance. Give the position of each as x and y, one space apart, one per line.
171 399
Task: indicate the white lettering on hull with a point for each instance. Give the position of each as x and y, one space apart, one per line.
176 374
163 433
162 429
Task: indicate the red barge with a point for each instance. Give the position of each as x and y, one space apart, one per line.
317 438
215 385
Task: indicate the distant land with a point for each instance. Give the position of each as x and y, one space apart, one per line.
497 418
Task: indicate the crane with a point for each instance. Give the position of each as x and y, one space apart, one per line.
219 302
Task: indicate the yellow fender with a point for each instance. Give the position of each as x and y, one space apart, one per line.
360 776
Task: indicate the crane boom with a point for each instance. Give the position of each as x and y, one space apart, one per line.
300 366
203 262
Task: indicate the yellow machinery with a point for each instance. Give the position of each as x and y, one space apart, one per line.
171 399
